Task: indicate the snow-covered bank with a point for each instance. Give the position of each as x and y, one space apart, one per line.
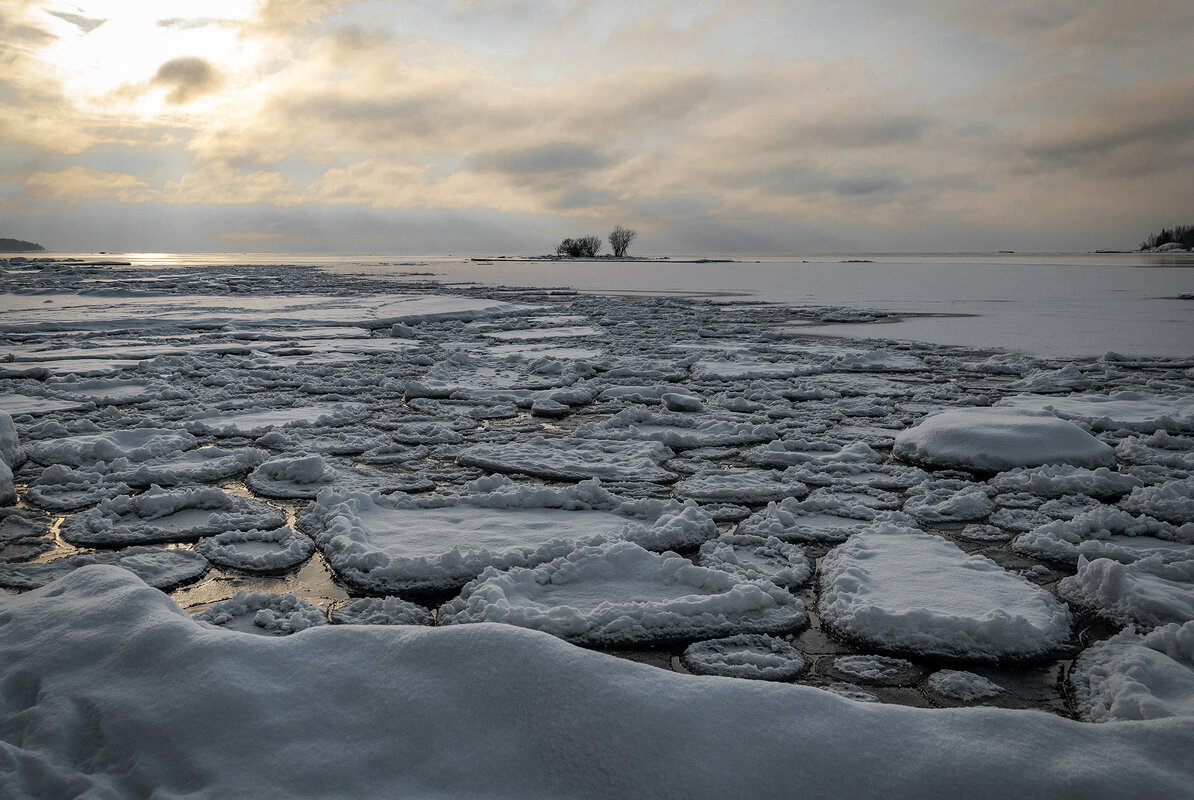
485 711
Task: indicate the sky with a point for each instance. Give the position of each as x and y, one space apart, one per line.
708 126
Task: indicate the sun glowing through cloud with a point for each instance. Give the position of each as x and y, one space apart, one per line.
108 53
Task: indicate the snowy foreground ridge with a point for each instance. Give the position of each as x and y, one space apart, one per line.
275 532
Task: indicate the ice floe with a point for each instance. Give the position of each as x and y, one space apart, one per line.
1148 592
746 655
995 439
1135 677
743 487
558 458
961 685
258 421
878 670
168 515
903 590
263 613
1054 480
159 567
1172 501
680 431
137 444
303 477
620 594
256 550
388 610
1107 532
1126 410
395 544
754 557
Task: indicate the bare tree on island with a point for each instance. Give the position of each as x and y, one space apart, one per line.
620 239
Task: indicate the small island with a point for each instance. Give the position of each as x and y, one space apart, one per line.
18 246
1169 240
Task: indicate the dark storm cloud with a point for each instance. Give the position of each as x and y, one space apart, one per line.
188 78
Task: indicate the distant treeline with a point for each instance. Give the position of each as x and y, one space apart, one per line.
1182 234
17 246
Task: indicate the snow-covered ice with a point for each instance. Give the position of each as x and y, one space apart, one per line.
903 590
995 439
401 544
263 613
193 379
1137 677
559 458
621 594
745 655
168 515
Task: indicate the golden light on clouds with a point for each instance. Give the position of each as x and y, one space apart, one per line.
708 125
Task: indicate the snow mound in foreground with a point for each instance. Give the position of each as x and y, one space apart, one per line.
900 589
996 439
620 594
337 687
1133 677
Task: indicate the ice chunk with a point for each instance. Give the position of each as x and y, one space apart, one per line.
136 444
257 550
263 613
1137 411
160 568
748 655
1107 532
900 589
994 439
680 431
878 670
1053 480
22 536
258 421
388 610
1172 501
620 594
961 685
11 453
402 544
815 521
303 477
168 515
786 453
1159 448
1133 677
558 458
753 557
949 500
1148 592
746 487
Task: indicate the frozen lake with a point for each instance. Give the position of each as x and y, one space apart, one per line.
859 545
1054 305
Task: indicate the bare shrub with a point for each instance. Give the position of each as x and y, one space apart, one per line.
620 239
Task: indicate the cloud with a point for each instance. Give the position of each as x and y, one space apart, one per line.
188 78
550 158
85 24
80 184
